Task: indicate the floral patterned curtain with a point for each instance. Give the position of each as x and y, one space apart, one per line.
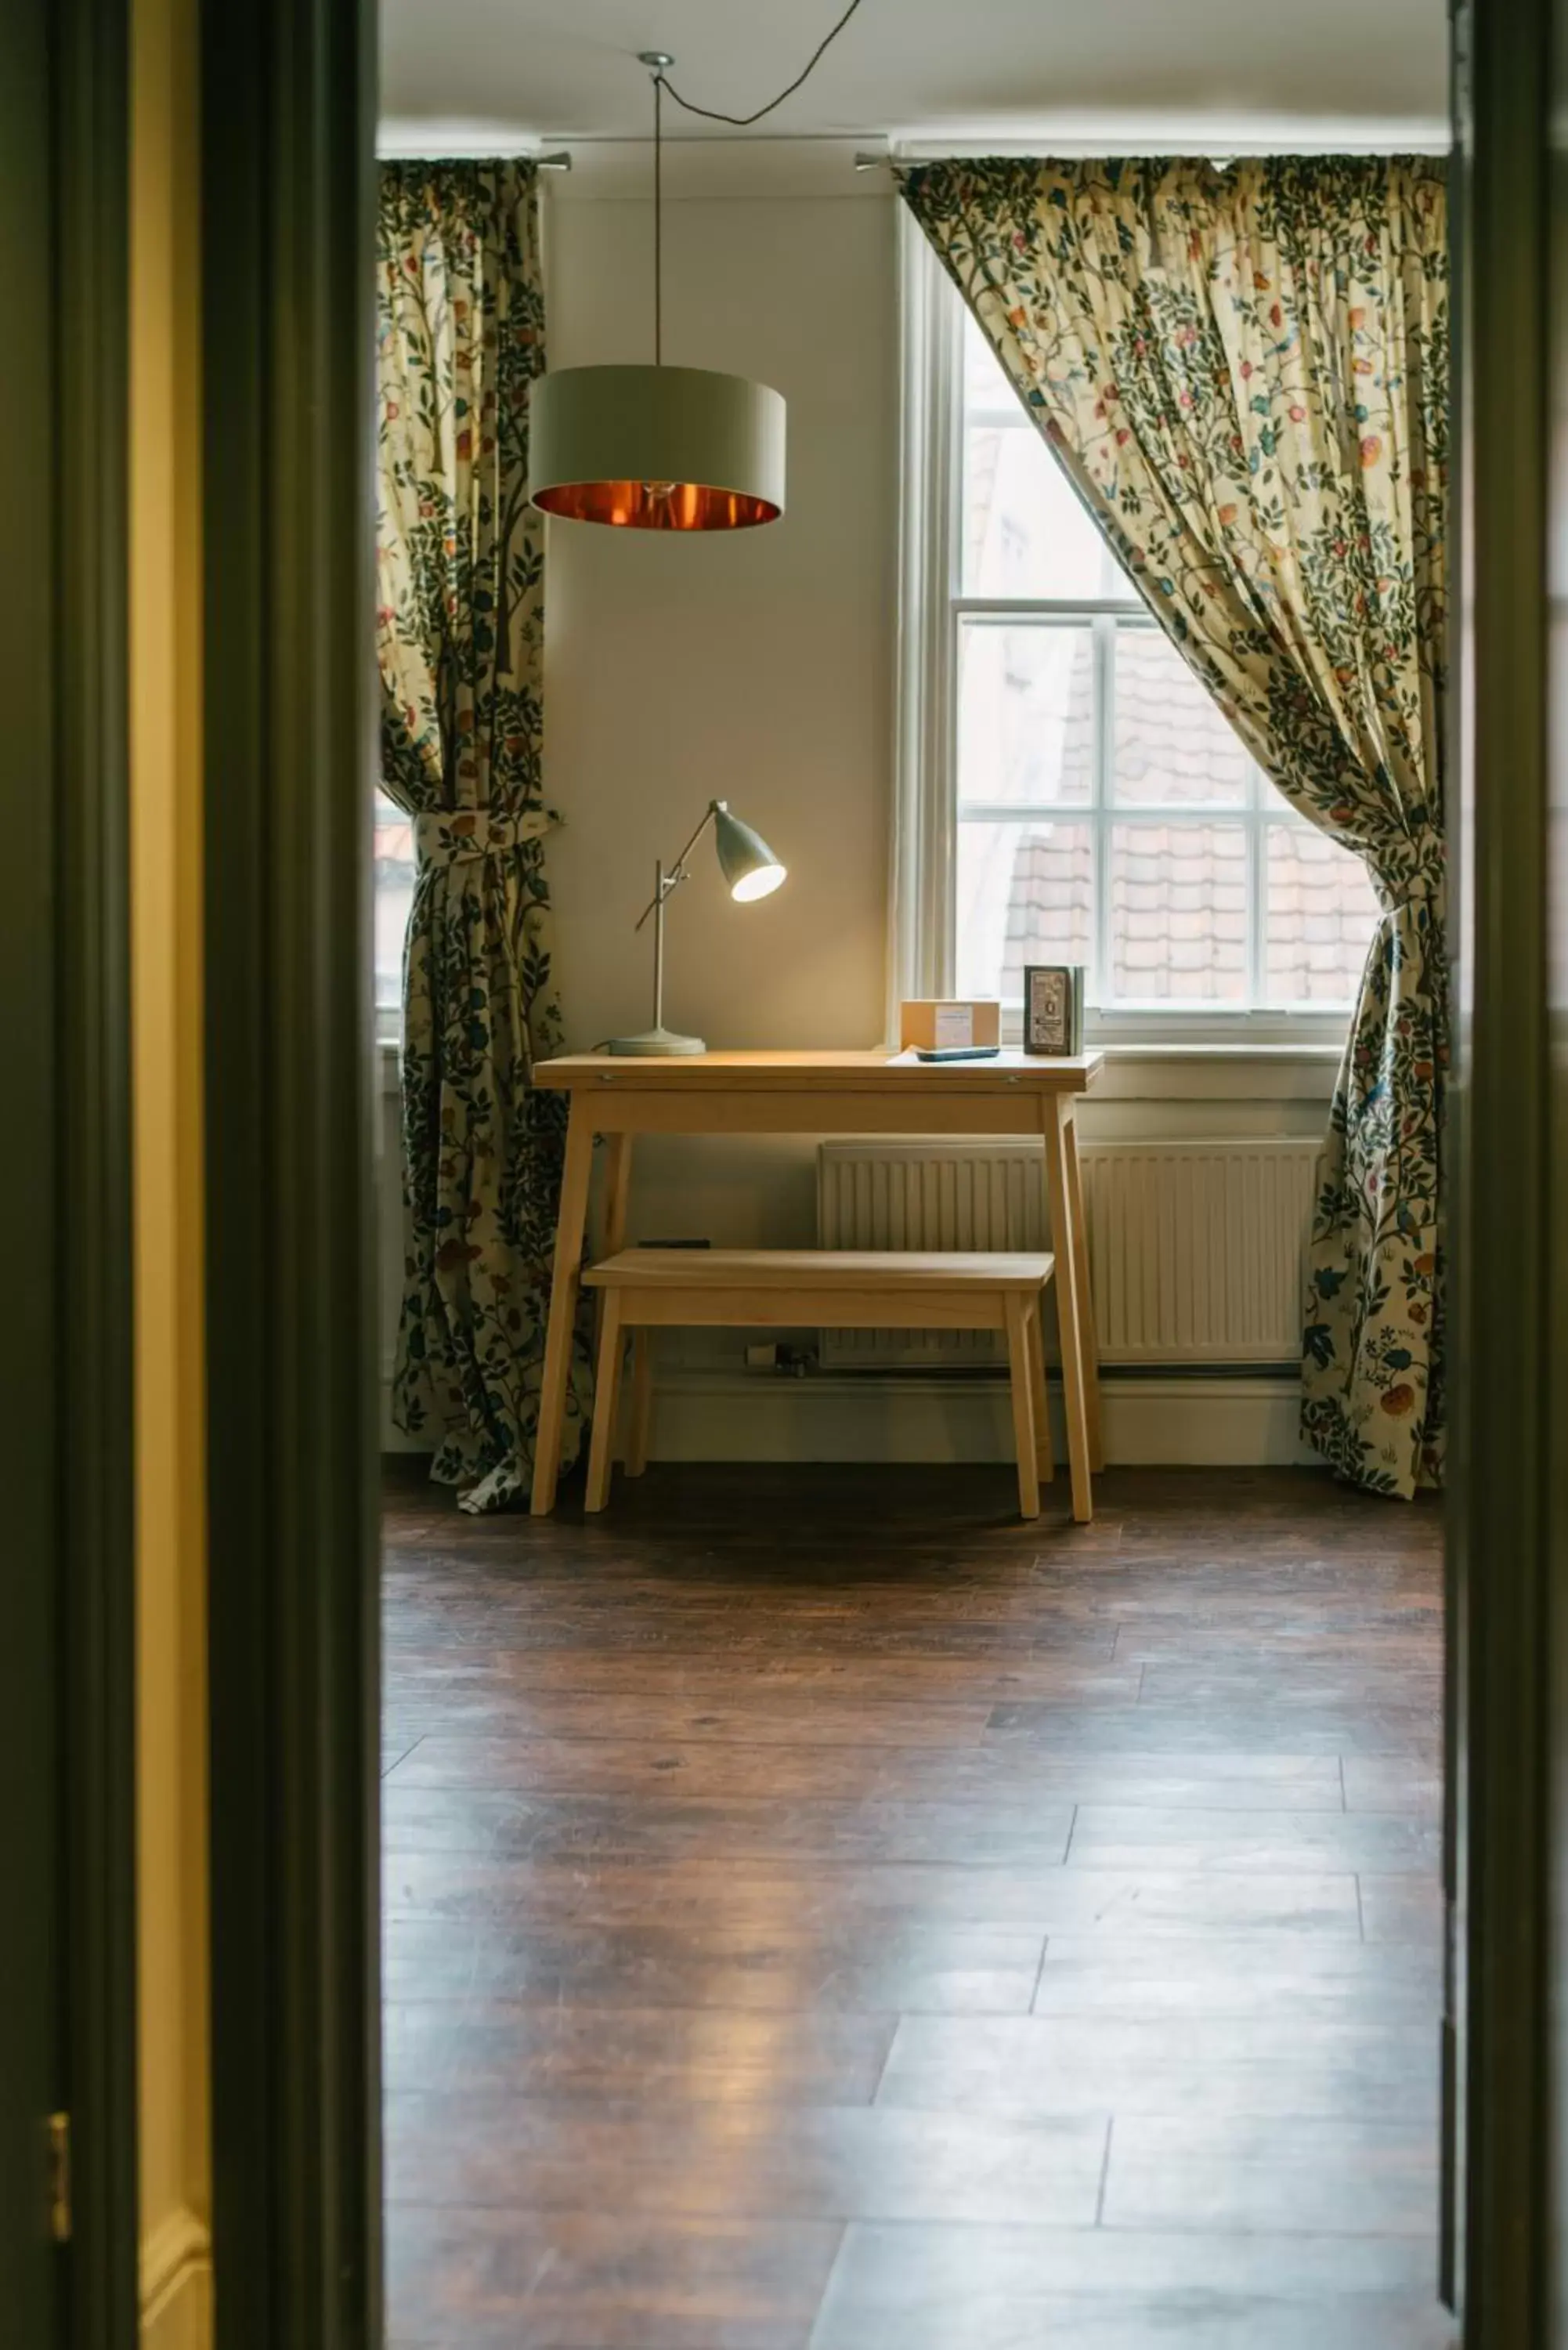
461 335
1244 373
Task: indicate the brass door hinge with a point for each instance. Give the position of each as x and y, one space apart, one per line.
59 2141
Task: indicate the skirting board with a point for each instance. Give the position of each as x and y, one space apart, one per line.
729 1416
721 1415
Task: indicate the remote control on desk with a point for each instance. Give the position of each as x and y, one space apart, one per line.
957 1052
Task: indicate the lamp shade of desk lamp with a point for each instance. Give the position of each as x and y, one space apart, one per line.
751 870
746 861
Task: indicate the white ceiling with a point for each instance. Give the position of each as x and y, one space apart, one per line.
933 70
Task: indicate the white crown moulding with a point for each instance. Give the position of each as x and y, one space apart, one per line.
761 168
779 162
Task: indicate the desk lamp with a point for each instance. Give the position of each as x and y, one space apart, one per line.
751 870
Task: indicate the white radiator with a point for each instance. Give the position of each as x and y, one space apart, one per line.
1195 1248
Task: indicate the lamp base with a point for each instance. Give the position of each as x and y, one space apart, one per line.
656 1041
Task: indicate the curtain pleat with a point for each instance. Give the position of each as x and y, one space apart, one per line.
1244 372
460 630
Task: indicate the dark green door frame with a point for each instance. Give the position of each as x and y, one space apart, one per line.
287 186
68 1986
1509 1515
288 110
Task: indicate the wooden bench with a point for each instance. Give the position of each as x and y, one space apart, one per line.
647 1288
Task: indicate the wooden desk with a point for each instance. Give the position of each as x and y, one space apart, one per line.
820 1093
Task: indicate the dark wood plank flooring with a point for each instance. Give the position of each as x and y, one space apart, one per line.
825 1914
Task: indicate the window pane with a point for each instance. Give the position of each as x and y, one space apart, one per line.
1173 748
985 384
1322 912
1179 912
394 870
1026 714
1025 532
1025 894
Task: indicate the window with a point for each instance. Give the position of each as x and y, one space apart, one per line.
393 854
1083 799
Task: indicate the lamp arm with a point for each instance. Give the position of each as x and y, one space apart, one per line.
678 873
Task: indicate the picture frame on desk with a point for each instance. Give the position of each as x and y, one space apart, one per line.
1053 1009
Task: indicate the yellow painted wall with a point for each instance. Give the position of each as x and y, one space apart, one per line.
166 881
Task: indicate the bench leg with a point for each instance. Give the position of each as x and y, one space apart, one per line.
1042 1454
1070 1311
607 1401
1021 1370
641 1403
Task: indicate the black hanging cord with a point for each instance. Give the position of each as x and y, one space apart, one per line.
744 122
658 220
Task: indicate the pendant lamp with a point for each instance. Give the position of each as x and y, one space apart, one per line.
657 448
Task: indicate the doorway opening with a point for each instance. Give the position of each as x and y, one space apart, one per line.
818 1908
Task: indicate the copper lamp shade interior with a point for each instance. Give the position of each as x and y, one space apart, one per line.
656 505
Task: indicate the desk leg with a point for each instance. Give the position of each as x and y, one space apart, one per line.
617 1191
1085 1298
571 1223
1065 1247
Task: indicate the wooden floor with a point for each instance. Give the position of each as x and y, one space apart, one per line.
824 1911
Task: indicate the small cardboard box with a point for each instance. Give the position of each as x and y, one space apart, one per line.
931 1022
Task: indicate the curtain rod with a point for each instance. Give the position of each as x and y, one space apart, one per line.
1080 150
1061 150
397 152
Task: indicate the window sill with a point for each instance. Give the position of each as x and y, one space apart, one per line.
1250 1072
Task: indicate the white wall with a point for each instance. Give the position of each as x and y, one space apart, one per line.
753 666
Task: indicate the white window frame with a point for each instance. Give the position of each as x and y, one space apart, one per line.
389 1017
931 612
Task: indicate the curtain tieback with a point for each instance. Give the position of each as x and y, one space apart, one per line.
1423 877
469 835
